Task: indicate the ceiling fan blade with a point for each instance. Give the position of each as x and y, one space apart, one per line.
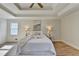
31 5
40 5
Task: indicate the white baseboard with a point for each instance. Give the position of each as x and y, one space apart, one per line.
74 46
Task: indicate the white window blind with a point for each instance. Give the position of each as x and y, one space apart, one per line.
14 28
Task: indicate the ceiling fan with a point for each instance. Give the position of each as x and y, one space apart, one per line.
40 5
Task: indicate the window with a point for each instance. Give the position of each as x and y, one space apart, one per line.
14 28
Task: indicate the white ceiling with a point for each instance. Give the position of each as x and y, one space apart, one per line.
50 10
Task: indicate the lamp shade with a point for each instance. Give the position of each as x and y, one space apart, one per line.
26 28
49 28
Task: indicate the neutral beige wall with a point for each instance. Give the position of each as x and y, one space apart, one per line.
70 29
56 28
22 23
3 30
21 32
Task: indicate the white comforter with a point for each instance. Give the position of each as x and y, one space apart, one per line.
38 46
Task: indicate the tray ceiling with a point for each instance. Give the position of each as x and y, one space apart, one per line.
52 10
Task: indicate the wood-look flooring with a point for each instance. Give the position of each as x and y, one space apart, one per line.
63 49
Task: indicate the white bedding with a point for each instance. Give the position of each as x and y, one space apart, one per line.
38 46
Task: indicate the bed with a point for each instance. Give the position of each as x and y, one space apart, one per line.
37 44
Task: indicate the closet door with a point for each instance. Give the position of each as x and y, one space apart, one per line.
3 31
0 31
